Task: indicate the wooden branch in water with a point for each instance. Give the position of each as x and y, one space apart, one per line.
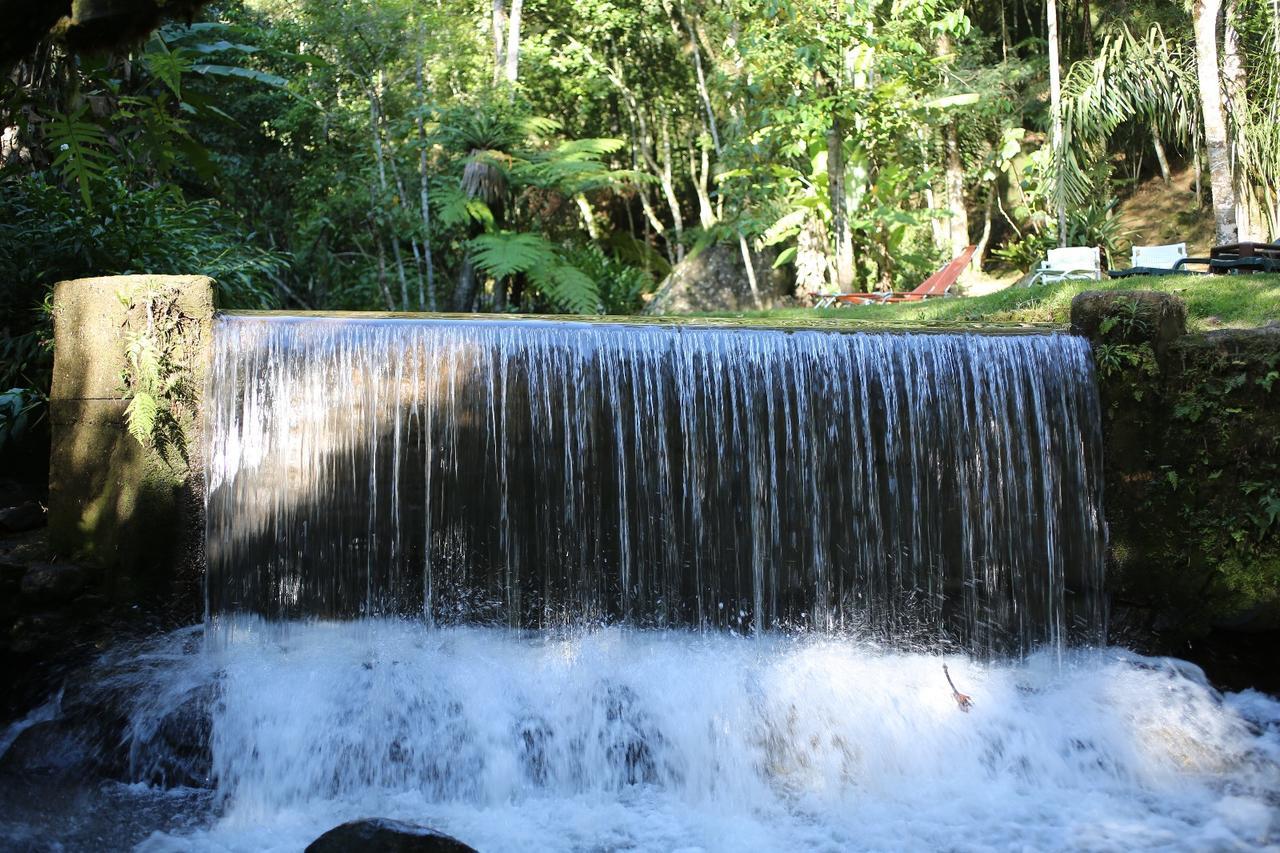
962 700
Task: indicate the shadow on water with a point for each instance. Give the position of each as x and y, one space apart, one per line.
540 474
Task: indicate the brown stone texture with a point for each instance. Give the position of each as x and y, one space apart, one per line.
715 279
112 501
1162 317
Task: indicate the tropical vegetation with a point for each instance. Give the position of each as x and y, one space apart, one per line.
553 156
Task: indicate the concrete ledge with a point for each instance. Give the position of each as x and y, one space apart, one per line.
89 315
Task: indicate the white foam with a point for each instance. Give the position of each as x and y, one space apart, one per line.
633 740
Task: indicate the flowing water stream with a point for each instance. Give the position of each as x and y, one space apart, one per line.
573 587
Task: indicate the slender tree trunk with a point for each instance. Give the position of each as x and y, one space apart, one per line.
513 41
979 256
667 181
423 189
382 276
1235 83
465 296
375 121
751 271
1055 109
1087 14
499 31
701 184
842 236
958 224
1162 158
588 217
1205 15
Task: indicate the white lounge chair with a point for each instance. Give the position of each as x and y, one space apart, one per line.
1154 260
1073 263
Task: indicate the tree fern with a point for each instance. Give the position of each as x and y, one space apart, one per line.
568 287
506 253
83 154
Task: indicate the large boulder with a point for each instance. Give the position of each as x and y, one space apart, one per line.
715 279
1129 317
380 835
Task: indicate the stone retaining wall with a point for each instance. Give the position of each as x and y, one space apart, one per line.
113 502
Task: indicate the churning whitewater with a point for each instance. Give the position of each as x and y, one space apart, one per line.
642 740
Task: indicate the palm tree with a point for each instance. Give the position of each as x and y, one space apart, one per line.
1205 14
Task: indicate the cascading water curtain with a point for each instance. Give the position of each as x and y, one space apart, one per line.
914 487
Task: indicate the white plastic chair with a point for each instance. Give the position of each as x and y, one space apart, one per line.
1078 263
1158 257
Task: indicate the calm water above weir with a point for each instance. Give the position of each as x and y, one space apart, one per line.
936 488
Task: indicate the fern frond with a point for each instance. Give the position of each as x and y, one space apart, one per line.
568 287
140 416
81 150
506 253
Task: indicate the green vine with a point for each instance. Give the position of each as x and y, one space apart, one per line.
157 378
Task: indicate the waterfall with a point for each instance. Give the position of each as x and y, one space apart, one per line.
920 488
762 559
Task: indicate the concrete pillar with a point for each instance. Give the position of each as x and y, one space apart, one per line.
114 502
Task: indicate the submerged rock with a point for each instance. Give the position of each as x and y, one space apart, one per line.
53 583
380 835
23 517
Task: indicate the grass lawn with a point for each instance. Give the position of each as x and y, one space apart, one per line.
1213 302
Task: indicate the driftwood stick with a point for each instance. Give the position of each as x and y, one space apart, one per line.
962 699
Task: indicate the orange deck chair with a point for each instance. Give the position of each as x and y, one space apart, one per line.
937 284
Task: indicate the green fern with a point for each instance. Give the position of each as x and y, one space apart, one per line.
157 373
568 287
505 253
82 150
140 416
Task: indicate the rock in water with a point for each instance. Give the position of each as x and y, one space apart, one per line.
23 517
53 583
379 835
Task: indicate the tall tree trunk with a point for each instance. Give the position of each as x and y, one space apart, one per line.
513 41
423 190
667 181
1055 110
1235 84
375 121
842 236
499 19
1087 15
1205 15
750 265
958 224
701 179
465 296
382 275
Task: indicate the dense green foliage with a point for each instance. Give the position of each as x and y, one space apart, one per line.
556 156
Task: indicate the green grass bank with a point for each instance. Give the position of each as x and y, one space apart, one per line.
1213 302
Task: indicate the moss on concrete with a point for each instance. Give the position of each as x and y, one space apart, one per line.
132 509
1192 430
